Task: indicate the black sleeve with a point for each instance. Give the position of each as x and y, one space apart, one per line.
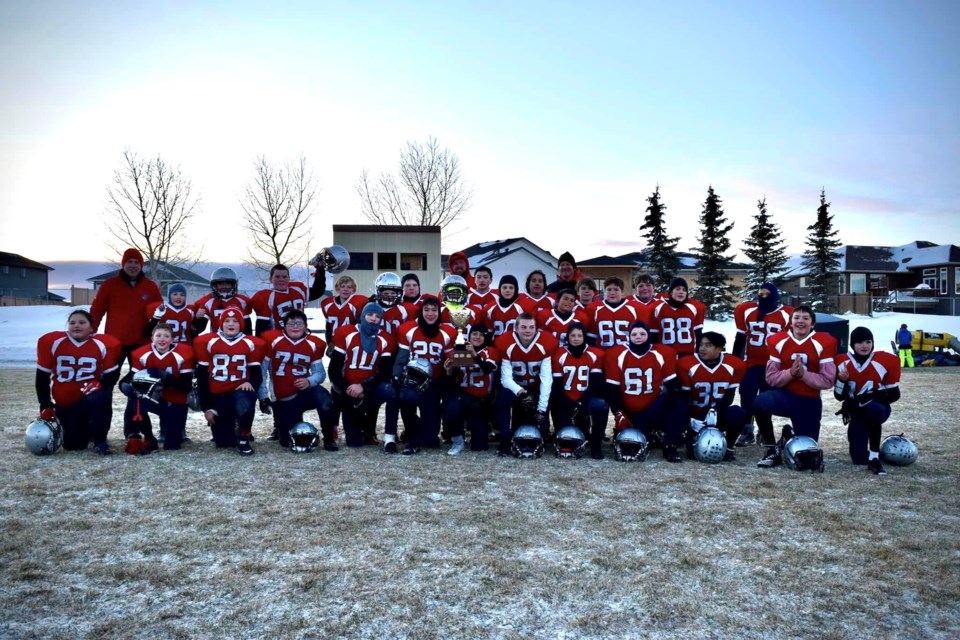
400 363
384 372
888 396
203 387
318 286
197 326
183 382
697 334
335 371
595 387
328 332
739 345
109 380
263 324
43 389
256 376
673 385
151 324
613 397
727 399
248 326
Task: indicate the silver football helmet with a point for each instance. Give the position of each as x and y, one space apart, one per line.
224 275
389 289
631 445
44 437
418 375
147 386
711 445
570 443
453 291
802 453
304 437
899 451
526 442
335 259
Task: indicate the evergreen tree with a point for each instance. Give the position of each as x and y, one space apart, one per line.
713 288
765 247
820 260
661 258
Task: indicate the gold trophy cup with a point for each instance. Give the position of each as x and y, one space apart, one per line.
453 292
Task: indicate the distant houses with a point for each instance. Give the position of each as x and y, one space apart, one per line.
196 286
24 281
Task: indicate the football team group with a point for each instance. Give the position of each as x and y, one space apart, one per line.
550 365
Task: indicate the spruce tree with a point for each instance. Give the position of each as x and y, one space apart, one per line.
766 249
661 258
713 288
820 260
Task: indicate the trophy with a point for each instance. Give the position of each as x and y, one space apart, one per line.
453 293
334 259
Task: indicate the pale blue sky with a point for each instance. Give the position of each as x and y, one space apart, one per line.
560 112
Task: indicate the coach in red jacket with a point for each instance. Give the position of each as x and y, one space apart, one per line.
124 299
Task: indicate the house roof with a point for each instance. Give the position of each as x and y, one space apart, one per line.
16 260
168 273
868 259
636 259
486 252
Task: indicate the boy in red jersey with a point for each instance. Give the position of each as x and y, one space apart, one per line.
272 305
172 363
501 316
535 298
613 317
800 366
482 295
525 378
342 309
643 294
868 382
224 294
558 321
228 375
709 381
756 321
639 381
82 368
587 298
678 321
360 371
293 371
578 386
470 401
177 314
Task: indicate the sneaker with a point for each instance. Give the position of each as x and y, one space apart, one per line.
730 456
457 446
876 467
102 449
274 435
390 447
411 450
244 448
670 454
772 459
746 439
330 445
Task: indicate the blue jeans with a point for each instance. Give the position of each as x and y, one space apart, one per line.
360 418
863 432
423 430
803 411
460 407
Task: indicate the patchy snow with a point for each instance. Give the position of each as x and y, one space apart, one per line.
20 327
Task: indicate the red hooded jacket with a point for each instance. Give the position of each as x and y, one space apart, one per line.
124 302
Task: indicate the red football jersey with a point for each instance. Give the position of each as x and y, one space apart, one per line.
215 306
534 306
706 385
180 319
275 305
480 301
412 338
291 359
395 316
525 362
339 314
676 327
639 378
74 364
813 350
610 325
757 329
228 360
574 373
880 371
177 362
553 324
358 364
473 379
501 320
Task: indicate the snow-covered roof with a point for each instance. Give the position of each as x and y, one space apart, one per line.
871 259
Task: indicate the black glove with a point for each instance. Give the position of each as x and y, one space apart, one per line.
543 422
155 373
577 408
265 405
529 403
846 410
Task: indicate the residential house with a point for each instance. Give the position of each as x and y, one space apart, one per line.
514 256
24 279
629 265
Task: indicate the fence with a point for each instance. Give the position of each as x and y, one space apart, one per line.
867 304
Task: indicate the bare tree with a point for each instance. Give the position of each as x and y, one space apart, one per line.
428 190
277 207
151 204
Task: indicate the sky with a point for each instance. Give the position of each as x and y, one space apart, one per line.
565 115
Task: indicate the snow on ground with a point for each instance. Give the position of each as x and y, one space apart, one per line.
20 327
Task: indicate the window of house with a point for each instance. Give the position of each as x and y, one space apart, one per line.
5 269
413 261
943 281
803 282
842 284
956 281
23 272
930 278
858 283
387 261
361 261
878 282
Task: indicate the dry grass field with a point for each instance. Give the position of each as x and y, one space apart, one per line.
201 543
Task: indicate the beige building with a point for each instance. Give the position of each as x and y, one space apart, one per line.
397 248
